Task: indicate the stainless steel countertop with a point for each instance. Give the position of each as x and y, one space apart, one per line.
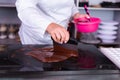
74 74
64 75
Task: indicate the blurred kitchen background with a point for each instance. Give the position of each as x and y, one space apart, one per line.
109 13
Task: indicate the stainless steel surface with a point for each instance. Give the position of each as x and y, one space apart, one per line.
31 69
65 75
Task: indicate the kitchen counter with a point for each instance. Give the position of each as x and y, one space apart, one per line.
64 75
90 65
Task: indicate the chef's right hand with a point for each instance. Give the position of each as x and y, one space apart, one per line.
58 33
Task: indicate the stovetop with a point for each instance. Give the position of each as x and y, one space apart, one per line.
90 58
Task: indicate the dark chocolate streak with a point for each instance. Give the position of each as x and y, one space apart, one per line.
55 54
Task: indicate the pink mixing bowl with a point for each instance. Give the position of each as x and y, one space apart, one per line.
87 25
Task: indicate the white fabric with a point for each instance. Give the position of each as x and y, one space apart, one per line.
36 15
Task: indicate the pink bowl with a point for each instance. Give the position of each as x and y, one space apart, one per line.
87 25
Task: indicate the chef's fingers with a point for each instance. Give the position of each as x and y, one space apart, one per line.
78 15
58 33
85 15
67 36
60 36
64 36
56 37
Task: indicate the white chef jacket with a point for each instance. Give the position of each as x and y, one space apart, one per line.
36 15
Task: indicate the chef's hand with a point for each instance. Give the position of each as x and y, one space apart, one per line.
78 15
58 33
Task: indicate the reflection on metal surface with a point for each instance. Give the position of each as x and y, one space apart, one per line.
89 58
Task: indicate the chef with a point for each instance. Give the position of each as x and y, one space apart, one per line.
45 20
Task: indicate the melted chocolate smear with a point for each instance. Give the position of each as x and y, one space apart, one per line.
56 54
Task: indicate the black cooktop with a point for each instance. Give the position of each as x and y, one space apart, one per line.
90 58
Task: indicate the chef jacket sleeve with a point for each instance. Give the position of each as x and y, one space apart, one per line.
74 9
32 16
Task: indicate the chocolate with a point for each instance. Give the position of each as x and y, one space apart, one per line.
54 54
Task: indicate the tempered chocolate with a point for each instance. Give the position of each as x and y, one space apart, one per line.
55 54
